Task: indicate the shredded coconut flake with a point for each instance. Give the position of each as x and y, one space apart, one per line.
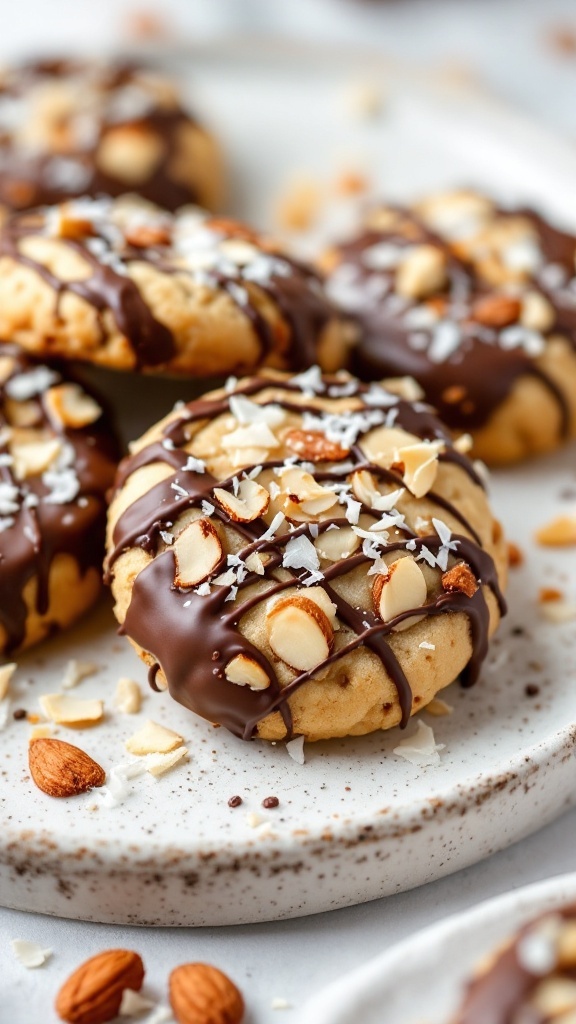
29 954
246 411
295 749
193 465
421 748
34 382
300 553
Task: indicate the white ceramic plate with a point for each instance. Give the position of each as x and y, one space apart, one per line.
355 822
421 980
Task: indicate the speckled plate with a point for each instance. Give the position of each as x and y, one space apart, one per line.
446 954
355 822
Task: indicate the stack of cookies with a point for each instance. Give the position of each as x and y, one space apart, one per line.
301 552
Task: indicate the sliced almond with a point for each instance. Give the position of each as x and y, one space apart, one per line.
256 562
66 710
438 708
381 445
304 497
515 555
251 502
420 463
244 671
421 272
537 312
153 738
401 589
128 696
63 224
22 413
314 446
365 487
299 632
460 579
6 673
497 310
34 459
337 544
560 532
464 443
197 551
157 764
68 404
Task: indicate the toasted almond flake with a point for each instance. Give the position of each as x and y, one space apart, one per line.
41 732
29 954
515 555
299 632
438 708
420 748
295 749
197 552
157 763
35 457
245 671
128 696
65 710
559 611
134 1004
6 673
304 497
420 465
69 404
546 594
559 532
250 503
153 738
76 671
337 544
401 589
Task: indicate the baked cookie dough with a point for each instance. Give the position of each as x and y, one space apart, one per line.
304 556
57 460
71 128
479 306
126 285
531 980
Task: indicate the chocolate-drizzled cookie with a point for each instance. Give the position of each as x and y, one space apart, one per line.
479 306
57 461
71 128
305 555
531 980
126 285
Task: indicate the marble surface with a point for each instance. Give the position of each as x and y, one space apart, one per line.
502 42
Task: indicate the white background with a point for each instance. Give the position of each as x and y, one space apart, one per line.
502 42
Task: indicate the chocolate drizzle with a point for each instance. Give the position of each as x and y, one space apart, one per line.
42 528
193 636
30 178
504 992
464 367
294 289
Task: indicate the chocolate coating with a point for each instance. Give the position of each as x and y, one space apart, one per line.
193 636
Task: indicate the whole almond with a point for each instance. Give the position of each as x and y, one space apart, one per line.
497 310
61 769
93 994
201 994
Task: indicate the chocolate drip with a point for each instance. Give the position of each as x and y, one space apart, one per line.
42 530
27 179
193 637
472 381
502 993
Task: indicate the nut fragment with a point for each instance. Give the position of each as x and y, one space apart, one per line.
251 502
93 993
128 696
201 994
460 579
337 544
157 764
34 458
560 532
401 589
69 404
420 463
65 710
314 446
421 272
197 551
6 673
130 153
143 236
63 223
299 632
304 497
153 738
61 769
515 555
245 671
496 310
537 312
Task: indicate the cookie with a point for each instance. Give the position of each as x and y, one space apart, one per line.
57 460
304 556
482 315
531 979
125 285
72 128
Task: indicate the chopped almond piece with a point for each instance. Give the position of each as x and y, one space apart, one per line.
460 579
560 532
546 594
314 446
515 555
